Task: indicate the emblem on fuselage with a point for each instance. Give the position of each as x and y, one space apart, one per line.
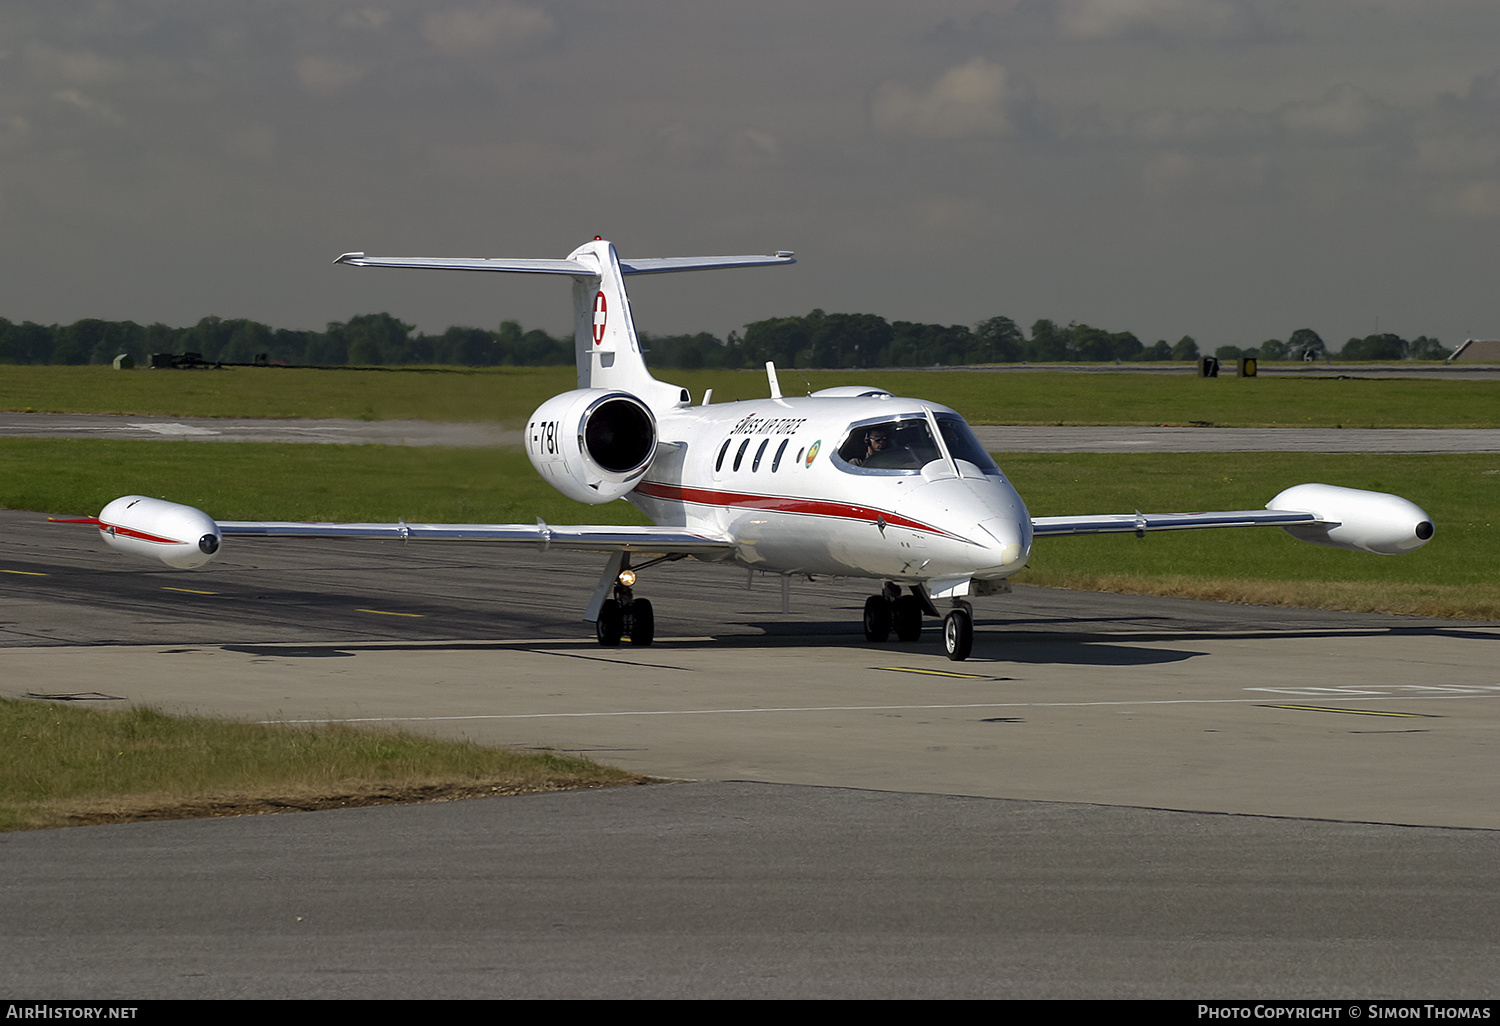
812 453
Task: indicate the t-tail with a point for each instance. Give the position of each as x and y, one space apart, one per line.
605 342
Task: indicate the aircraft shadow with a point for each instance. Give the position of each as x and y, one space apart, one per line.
1024 644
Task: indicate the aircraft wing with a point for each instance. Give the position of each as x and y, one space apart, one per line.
661 540
1127 523
1323 514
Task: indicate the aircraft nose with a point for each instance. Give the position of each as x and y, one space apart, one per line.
1011 542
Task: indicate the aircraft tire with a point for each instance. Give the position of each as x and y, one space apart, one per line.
958 634
610 627
906 616
641 620
877 619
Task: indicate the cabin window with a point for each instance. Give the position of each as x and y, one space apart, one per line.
739 455
758 454
780 451
719 463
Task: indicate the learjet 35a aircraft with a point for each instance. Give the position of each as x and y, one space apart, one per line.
845 482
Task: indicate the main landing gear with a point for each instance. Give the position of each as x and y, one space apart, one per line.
624 615
892 611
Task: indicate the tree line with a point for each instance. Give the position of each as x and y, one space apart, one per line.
819 339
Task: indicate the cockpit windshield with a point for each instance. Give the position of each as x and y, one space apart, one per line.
962 444
903 445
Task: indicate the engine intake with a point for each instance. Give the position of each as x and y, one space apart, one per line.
592 444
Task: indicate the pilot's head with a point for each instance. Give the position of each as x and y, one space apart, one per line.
877 439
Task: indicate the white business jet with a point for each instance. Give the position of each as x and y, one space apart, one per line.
845 482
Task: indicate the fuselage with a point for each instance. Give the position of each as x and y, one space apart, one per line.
846 482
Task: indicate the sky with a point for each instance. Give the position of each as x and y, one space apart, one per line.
1231 170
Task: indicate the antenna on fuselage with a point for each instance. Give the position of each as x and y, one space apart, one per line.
771 377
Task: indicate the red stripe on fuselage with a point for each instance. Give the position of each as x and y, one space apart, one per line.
129 532
782 504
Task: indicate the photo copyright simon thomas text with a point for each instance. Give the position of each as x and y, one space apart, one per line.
1295 1010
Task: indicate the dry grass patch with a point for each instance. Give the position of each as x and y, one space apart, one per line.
64 765
352 794
1451 601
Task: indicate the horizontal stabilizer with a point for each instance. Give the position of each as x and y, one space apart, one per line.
572 267
644 265
663 265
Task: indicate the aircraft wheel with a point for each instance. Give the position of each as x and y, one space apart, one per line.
906 614
877 619
610 626
958 634
641 622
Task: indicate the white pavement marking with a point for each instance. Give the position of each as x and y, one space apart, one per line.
1364 696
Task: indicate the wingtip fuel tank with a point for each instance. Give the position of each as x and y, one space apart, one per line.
1355 519
168 532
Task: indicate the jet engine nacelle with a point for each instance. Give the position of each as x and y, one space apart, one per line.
177 535
1356 519
592 444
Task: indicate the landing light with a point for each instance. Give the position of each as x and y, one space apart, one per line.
627 578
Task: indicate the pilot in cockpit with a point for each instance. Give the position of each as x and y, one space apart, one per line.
877 445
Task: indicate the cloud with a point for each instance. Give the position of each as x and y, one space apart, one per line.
255 143
1175 173
328 76
365 18
1457 153
467 30
97 109
14 132
1468 200
738 147
1188 20
74 66
976 99
1482 98
1343 114
1169 124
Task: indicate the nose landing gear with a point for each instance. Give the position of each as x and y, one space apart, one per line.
893 611
958 631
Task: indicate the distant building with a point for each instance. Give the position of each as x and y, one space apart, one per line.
1477 350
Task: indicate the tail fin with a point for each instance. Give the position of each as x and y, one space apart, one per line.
604 338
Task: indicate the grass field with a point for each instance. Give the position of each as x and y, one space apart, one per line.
1452 576
510 394
65 766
